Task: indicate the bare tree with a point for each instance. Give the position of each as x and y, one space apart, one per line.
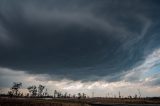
1 91
55 93
10 93
83 95
46 93
139 93
79 95
119 94
65 95
33 90
40 90
135 96
16 86
69 95
59 94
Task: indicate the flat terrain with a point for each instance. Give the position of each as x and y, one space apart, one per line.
78 102
38 102
124 101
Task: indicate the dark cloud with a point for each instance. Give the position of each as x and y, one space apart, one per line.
78 40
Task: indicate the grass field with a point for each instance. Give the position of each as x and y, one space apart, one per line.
37 102
76 102
125 101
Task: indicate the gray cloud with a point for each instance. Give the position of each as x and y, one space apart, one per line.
78 40
153 80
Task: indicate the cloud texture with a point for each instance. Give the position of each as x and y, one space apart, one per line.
79 40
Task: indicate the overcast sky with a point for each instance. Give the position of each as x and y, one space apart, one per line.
81 45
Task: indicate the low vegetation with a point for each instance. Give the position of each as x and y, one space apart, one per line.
73 102
38 96
37 102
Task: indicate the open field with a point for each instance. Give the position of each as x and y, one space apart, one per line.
125 100
76 102
37 102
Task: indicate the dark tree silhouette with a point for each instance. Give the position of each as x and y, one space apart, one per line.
33 90
59 94
10 93
79 95
40 90
16 86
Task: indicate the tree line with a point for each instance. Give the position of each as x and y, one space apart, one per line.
40 91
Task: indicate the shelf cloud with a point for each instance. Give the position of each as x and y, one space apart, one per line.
79 40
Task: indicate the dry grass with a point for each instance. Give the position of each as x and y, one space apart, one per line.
72 102
124 101
36 102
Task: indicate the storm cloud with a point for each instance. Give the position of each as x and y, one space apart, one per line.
78 39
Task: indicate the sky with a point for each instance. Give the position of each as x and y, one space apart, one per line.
100 46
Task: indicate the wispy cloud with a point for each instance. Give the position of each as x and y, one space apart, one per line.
139 73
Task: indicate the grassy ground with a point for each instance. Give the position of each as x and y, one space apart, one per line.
37 102
124 101
72 102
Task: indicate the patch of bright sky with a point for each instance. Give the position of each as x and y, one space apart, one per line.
154 70
151 66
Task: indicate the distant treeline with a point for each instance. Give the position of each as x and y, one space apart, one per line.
39 91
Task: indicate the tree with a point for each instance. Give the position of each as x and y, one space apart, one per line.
59 94
119 94
79 95
83 95
69 95
33 90
16 86
65 95
139 93
55 93
40 90
10 93
46 93
0 91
